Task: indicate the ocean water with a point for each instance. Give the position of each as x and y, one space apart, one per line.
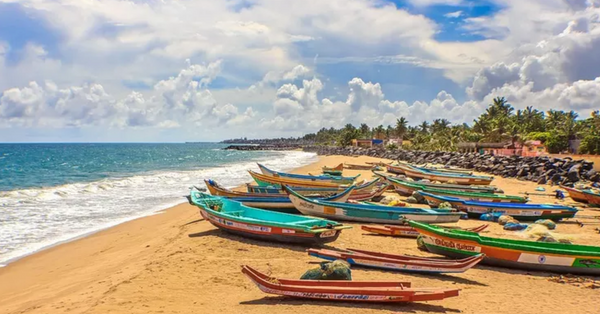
51 193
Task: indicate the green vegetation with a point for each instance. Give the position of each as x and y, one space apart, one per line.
500 123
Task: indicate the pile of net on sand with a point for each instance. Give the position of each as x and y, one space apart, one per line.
542 233
336 270
504 219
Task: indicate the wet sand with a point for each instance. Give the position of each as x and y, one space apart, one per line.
175 263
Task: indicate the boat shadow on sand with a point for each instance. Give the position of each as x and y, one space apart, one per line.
280 245
404 307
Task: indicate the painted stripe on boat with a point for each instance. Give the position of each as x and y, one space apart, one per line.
543 259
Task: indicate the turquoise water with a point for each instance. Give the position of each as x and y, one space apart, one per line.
50 193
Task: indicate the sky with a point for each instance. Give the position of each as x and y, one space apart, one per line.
208 70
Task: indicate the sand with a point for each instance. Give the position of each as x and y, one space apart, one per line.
175 263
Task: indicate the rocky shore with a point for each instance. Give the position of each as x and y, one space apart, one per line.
542 169
261 147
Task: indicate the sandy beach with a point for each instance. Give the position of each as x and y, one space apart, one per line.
174 262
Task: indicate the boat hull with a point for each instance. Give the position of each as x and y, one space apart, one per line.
525 213
372 214
342 290
575 194
398 263
458 179
510 256
268 233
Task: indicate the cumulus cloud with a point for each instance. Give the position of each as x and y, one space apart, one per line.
560 72
181 99
454 15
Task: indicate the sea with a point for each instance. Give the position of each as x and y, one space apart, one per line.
54 193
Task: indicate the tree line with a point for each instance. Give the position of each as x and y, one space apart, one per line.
500 123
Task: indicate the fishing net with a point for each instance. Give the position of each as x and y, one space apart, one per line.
336 270
551 225
542 233
511 226
421 244
504 219
445 205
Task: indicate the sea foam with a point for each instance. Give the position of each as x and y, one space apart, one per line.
34 219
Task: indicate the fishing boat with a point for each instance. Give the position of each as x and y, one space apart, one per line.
342 290
268 201
325 178
403 263
277 181
480 197
528 255
592 198
364 188
441 177
236 218
216 189
525 212
407 188
576 194
368 213
334 171
410 232
360 167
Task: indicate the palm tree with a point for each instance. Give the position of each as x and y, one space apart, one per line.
401 127
424 127
365 130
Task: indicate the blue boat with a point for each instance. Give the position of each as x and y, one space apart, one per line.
326 178
524 212
368 213
277 202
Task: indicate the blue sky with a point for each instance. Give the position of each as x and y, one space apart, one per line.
207 70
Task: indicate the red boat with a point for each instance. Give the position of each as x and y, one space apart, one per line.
592 198
404 263
408 231
576 194
341 290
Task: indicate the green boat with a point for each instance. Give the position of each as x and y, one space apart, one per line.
236 218
520 254
407 188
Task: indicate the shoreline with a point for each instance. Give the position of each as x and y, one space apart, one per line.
75 189
176 263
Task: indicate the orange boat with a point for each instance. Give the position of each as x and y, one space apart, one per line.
408 231
576 194
341 290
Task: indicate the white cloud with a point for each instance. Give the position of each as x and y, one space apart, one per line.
181 99
455 14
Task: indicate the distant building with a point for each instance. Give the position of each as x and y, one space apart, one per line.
529 148
366 142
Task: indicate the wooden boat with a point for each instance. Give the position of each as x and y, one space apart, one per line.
368 213
441 177
410 232
520 254
334 171
407 188
236 218
404 263
480 197
277 181
592 198
364 188
360 167
576 194
215 189
342 290
325 178
268 201
525 212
